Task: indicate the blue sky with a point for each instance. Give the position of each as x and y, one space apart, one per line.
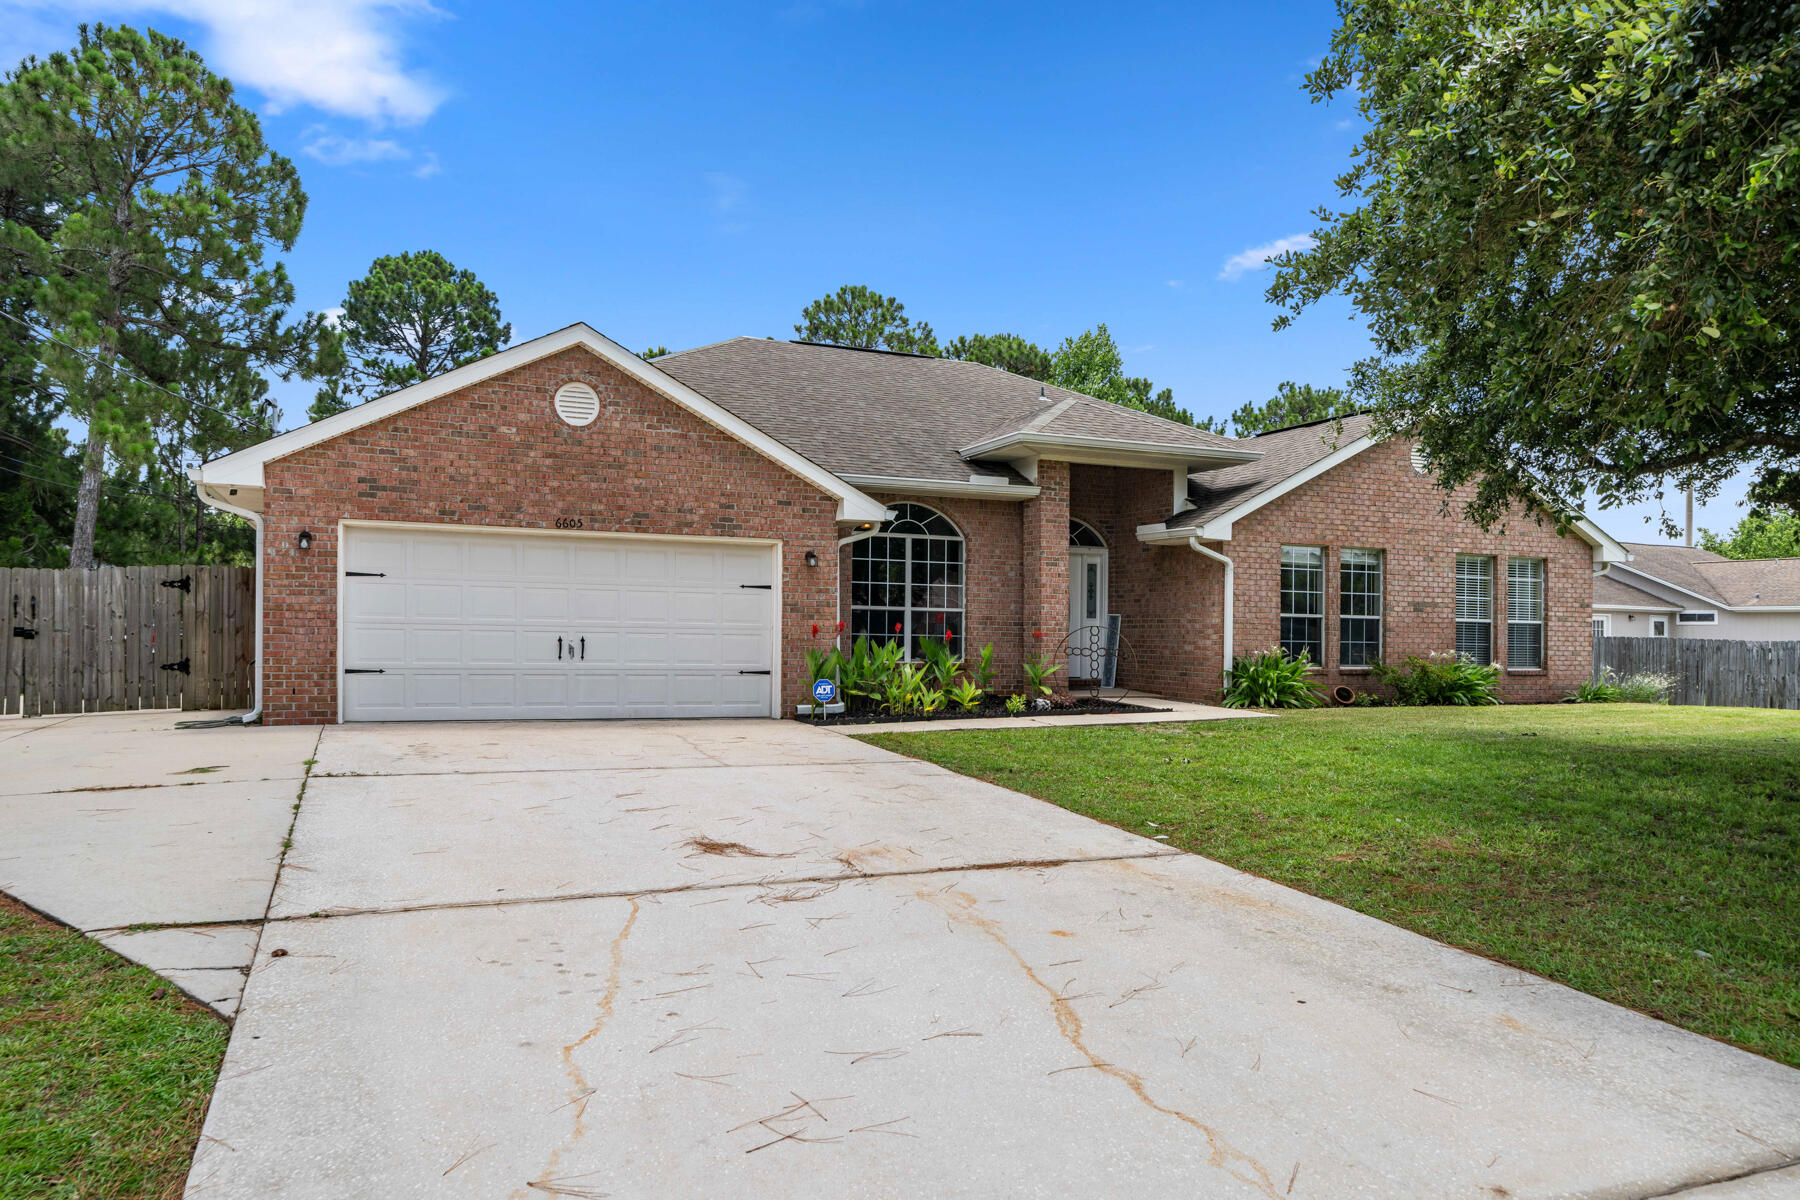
679 173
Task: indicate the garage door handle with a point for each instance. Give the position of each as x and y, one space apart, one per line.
760 587
368 574
752 672
365 670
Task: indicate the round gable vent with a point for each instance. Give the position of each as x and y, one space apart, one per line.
577 404
1421 464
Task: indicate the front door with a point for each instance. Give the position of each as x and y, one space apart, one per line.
1087 611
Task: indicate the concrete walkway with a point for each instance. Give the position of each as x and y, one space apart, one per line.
757 959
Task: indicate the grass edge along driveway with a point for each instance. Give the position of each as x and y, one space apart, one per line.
1647 855
105 1068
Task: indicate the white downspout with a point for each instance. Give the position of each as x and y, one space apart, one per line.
256 666
1230 587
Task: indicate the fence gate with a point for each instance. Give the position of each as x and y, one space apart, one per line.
126 637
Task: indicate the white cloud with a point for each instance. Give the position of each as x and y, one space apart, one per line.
339 56
428 166
1175 283
336 151
1257 257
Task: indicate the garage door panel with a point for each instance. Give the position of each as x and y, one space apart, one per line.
544 604
442 557
466 625
491 602
435 601
435 648
595 606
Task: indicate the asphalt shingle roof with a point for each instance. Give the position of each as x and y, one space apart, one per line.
1285 453
1738 582
859 412
1610 591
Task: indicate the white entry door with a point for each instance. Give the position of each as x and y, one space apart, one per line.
1087 610
452 625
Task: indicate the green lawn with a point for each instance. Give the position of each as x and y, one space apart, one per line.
1648 855
104 1068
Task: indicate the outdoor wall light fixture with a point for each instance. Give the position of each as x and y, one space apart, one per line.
306 539
812 558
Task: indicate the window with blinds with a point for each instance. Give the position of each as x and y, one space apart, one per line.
1303 601
1475 607
1525 613
1359 607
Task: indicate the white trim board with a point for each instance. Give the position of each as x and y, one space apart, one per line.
245 467
1607 550
942 487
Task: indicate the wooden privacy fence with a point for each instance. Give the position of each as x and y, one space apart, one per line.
126 637
1709 670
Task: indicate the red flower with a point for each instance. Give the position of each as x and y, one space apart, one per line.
840 628
948 634
815 629
896 627
1038 634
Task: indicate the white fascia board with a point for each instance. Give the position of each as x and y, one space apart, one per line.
1602 606
1019 444
1219 528
1607 550
245 467
910 486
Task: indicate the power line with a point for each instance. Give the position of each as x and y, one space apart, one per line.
105 483
240 421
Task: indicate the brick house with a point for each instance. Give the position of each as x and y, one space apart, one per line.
566 530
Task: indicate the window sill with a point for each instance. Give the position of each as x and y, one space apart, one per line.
1354 671
1525 670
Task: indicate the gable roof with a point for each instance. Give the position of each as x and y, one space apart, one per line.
1750 583
870 414
1291 458
1613 592
244 468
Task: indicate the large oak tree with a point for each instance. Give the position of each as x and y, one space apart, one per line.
1574 232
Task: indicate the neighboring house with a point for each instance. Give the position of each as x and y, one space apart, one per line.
1680 591
566 530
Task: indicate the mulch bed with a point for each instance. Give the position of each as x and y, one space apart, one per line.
1074 707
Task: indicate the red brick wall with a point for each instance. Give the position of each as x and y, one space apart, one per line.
1376 501
1168 596
495 454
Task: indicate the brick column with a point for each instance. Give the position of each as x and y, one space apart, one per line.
1044 555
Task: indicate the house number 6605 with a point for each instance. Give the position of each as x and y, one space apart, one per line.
568 522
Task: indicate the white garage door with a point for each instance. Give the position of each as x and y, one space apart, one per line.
458 626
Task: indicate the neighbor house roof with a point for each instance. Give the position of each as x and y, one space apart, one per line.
1610 592
1731 582
870 414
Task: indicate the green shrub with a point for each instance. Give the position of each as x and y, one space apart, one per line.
1604 690
942 665
1272 679
1646 688
1038 671
1015 704
966 694
1446 678
982 669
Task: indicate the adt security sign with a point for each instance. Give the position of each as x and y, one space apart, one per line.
824 691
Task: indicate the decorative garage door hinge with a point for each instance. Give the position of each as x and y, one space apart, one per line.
365 670
185 583
183 665
752 672
760 587
368 574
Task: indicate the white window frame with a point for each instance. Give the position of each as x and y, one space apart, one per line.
1288 613
915 540
1659 627
1530 573
1697 616
1366 564
1475 609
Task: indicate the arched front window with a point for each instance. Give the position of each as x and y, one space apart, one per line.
1083 534
906 582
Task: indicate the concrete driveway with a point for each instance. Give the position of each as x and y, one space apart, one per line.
757 959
